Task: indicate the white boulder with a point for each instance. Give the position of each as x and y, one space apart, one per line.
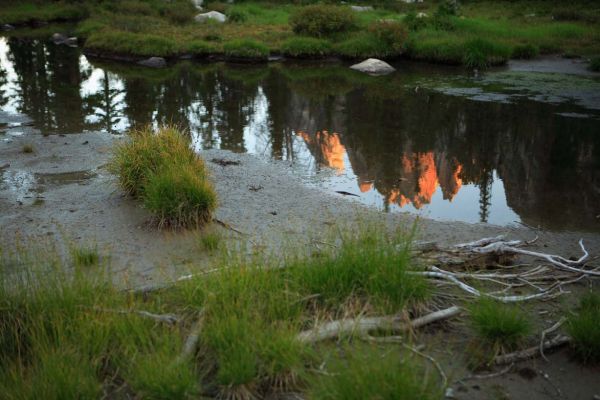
373 66
214 15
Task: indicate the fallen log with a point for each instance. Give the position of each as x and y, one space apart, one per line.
361 326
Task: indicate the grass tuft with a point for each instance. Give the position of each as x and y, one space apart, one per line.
306 47
499 324
370 375
85 256
161 169
27 148
247 49
322 20
584 328
481 53
525 51
595 64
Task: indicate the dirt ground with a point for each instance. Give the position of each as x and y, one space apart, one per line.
62 193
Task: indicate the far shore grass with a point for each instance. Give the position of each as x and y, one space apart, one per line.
478 34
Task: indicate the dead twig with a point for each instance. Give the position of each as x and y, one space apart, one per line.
361 326
532 351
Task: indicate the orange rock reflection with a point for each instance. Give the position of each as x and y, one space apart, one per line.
415 182
331 148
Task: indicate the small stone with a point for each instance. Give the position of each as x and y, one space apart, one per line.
198 4
72 41
153 62
211 15
361 8
7 27
373 66
58 38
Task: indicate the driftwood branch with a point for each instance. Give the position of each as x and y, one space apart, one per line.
191 342
361 326
532 351
165 318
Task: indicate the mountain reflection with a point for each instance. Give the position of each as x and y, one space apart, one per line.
398 146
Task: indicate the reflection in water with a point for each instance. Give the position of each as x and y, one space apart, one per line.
401 147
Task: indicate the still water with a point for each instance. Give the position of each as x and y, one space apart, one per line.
503 147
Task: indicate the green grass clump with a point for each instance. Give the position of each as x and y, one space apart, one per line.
27 148
161 169
584 328
236 16
306 47
139 44
179 196
246 49
525 51
322 20
27 12
369 266
85 256
199 48
371 375
499 324
481 53
210 241
595 64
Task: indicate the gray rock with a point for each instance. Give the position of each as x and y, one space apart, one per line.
373 66
214 15
198 4
58 38
154 62
7 27
361 8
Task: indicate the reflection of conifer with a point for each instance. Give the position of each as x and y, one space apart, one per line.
485 194
106 104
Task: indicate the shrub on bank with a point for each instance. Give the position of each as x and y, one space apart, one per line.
481 53
306 47
139 44
322 20
498 323
392 34
525 51
584 328
595 64
246 49
162 170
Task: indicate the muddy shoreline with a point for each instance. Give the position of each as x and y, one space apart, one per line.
63 192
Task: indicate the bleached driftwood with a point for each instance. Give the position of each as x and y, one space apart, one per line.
532 351
361 326
165 318
191 342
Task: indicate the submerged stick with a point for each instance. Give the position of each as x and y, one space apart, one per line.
361 326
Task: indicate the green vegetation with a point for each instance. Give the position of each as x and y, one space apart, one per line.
306 47
246 49
584 328
78 336
85 256
478 34
366 372
595 64
322 20
210 241
161 169
27 148
499 324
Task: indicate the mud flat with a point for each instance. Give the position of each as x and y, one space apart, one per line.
63 193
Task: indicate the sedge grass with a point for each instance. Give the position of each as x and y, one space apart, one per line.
499 324
584 328
163 171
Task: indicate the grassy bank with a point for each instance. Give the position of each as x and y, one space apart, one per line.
478 34
73 334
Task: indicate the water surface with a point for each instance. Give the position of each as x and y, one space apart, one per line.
501 147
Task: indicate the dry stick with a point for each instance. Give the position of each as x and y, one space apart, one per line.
361 326
554 327
532 351
166 318
492 375
438 273
192 340
432 360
